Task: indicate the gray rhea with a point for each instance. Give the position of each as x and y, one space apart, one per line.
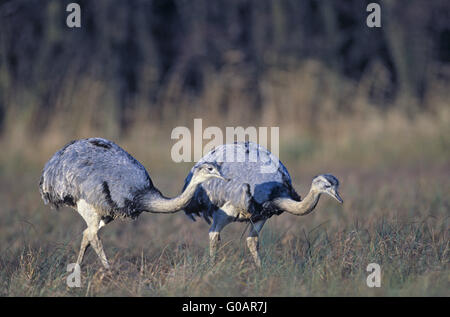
103 182
259 187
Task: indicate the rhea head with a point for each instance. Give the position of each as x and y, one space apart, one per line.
327 184
206 171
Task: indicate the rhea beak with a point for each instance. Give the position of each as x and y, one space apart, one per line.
335 194
219 176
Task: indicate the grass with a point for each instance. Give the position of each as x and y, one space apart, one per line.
394 181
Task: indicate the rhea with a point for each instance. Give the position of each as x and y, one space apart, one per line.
259 187
103 182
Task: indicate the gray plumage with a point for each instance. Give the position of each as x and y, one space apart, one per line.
103 182
101 173
250 186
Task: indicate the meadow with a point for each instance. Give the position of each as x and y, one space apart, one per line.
369 105
394 181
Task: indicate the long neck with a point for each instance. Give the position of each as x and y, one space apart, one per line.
155 202
298 208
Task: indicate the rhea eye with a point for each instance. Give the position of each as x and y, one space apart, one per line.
327 186
210 169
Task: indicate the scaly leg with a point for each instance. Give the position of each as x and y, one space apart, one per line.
84 245
94 223
98 247
214 240
220 220
253 241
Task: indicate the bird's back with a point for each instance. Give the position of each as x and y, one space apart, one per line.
98 171
243 163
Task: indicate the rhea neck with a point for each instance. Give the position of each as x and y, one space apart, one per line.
299 208
155 202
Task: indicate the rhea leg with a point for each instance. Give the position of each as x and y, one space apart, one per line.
98 247
253 241
84 245
220 220
90 237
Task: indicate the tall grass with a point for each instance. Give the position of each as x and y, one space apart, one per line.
369 106
394 180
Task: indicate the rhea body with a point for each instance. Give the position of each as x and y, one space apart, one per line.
103 182
259 187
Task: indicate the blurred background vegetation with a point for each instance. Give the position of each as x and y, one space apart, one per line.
240 61
370 105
